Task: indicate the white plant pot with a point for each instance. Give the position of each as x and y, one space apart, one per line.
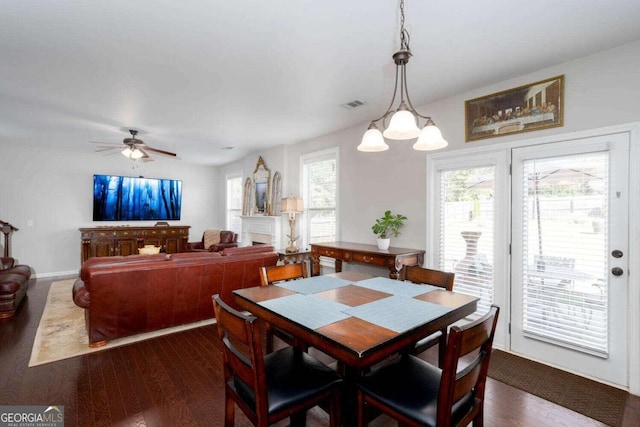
383 244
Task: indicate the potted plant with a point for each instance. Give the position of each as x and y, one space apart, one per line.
387 226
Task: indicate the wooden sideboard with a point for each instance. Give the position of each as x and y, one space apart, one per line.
125 240
392 258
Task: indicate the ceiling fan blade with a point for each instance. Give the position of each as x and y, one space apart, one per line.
145 157
100 149
163 152
114 144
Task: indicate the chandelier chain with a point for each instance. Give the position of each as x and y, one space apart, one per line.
404 34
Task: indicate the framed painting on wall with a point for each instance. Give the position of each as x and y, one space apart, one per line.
535 106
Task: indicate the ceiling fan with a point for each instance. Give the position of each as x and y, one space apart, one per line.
134 148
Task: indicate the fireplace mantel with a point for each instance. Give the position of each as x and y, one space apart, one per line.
262 229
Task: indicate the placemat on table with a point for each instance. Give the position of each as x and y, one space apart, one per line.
314 285
395 287
308 310
398 313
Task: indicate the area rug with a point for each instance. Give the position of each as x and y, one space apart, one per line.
590 398
62 334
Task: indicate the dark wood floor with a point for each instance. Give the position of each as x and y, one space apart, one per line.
176 380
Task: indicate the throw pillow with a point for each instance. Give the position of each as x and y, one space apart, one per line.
211 237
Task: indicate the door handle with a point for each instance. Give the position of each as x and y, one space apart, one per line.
617 253
617 271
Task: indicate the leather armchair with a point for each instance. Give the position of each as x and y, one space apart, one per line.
6 263
13 285
228 239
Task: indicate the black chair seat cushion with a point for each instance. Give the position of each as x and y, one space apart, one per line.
292 377
417 397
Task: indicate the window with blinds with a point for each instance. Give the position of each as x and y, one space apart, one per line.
234 204
467 218
319 192
564 261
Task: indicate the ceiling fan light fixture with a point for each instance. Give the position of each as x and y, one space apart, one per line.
405 121
136 154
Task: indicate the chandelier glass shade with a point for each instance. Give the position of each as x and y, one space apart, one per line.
405 120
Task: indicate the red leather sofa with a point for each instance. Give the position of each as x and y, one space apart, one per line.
140 293
13 286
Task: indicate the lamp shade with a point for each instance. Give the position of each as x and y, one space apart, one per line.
372 141
292 205
430 138
402 126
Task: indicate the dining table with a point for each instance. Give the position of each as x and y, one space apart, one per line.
355 318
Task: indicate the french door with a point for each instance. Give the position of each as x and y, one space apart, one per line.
569 260
468 227
548 243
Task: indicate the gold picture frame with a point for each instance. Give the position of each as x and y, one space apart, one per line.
535 106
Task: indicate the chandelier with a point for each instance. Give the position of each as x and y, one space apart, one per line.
405 119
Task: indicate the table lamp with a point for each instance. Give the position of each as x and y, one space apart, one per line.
292 206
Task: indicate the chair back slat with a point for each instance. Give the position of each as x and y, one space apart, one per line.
280 273
417 274
467 378
461 377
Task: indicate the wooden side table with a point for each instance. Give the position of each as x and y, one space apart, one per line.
293 258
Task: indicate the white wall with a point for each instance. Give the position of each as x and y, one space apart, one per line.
600 90
53 189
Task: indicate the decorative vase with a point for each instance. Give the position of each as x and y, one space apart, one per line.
474 269
383 244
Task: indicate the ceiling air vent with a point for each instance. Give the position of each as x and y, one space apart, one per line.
353 104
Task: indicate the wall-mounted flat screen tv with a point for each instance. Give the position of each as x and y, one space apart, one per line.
123 198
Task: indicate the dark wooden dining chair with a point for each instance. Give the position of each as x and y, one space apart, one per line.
269 388
416 393
275 274
442 279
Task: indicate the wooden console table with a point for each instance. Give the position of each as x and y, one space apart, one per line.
392 258
125 240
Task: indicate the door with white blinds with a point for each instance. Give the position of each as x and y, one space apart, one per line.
569 258
469 215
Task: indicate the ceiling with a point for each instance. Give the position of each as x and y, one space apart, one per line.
197 77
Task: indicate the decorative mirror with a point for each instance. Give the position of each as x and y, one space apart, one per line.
262 188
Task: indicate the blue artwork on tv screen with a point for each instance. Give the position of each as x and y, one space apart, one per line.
122 198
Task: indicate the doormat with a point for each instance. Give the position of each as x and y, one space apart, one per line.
590 398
